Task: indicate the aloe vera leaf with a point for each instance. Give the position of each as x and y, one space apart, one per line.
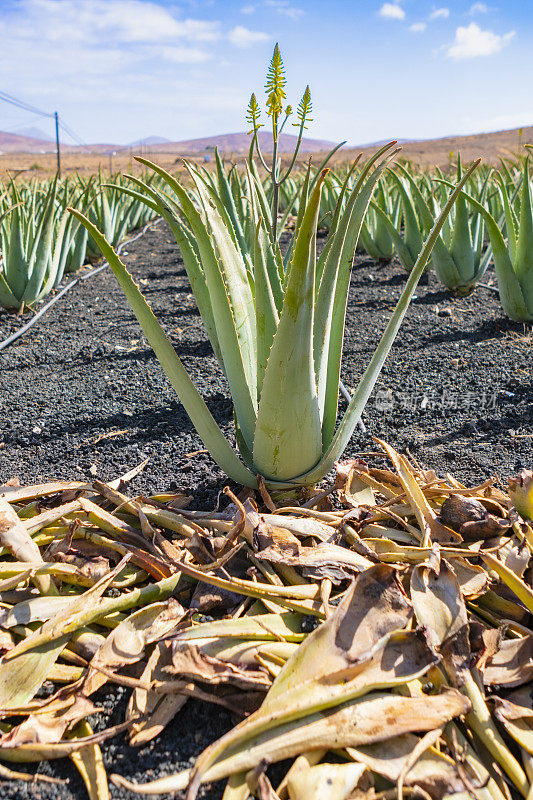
231 302
511 294
201 417
266 314
288 430
333 294
368 380
15 269
523 264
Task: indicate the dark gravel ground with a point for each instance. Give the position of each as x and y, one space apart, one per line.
83 393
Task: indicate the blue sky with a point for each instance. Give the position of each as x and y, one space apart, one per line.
119 70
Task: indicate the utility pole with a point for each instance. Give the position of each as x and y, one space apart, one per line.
56 117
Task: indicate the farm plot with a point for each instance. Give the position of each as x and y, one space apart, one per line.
83 398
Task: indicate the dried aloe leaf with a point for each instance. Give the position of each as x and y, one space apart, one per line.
435 772
324 560
515 584
24 668
190 663
377 717
300 764
127 642
427 519
515 713
15 537
286 626
440 609
153 709
355 651
90 764
237 787
511 665
47 725
334 781
352 491
25 753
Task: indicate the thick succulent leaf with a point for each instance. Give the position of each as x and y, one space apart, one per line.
440 256
7 298
400 245
523 264
226 196
41 255
511 295
233 280
201 417
333 293
288 431
231 297
370 376
266 313
15 266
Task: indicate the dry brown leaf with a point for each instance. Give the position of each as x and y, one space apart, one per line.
90 764
155 709
435 772
362 721
332 781
512 665
15 537
189 663
127 642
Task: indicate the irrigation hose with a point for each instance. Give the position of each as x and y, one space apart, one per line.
59 295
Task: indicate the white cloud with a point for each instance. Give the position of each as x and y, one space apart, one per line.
440 13
478 8
391 11
247 9
285 8
472 42
518 120
121 21
418 27
182 55
242 37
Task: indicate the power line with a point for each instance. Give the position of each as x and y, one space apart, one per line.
7 98
15 101
73 135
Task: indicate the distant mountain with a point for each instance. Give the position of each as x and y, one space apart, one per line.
15 143
149 141
34 133
240 143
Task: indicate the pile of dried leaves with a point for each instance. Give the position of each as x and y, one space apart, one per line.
377 635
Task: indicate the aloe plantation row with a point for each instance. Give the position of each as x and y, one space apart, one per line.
491 223
370 627
41 242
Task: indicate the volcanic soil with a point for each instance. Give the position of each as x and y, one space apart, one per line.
82 395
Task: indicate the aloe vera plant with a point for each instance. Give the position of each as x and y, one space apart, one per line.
513 260
277 329
405 228
459 257
31 250
376 237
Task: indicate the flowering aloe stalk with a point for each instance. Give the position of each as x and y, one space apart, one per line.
277 331
275 92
